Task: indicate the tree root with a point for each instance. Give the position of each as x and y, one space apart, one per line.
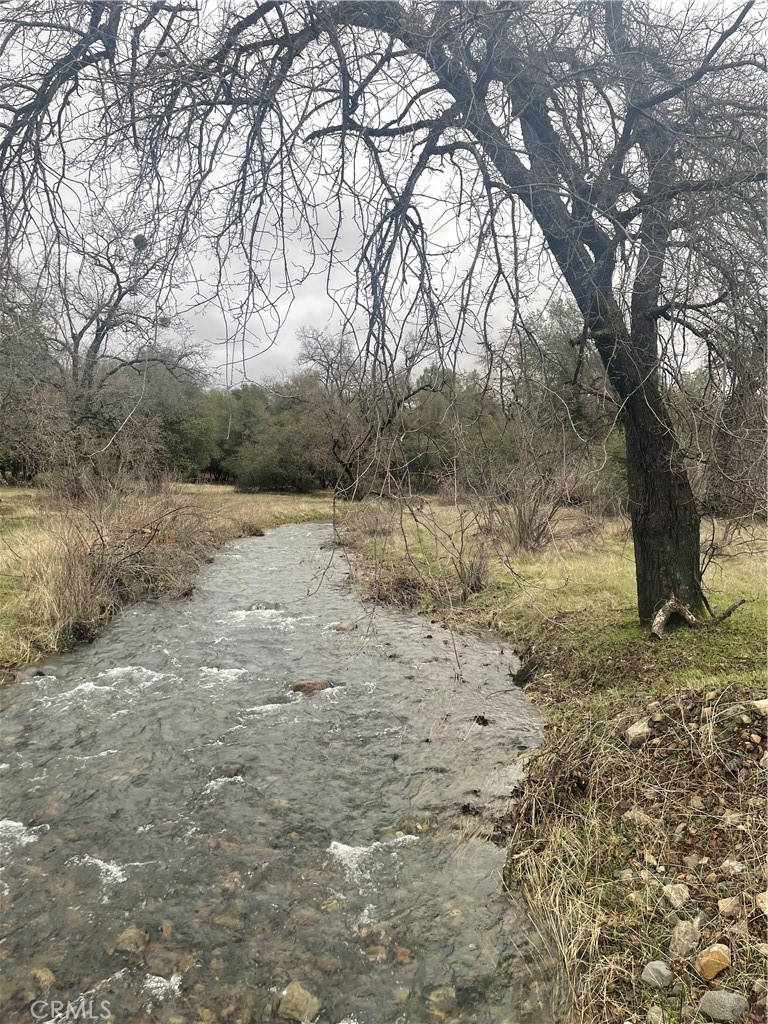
675 607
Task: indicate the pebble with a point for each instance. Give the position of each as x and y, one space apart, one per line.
723 1006
684 939
739 930
638 733
732 867
677 895
712 960
730 906
761 901
655 1015
657 974
296 1003
637 816
761 706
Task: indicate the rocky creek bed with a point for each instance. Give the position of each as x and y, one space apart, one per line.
192 835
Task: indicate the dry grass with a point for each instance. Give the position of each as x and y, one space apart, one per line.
239 513
600 828
66 567
593 878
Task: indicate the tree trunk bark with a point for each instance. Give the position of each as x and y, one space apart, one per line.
665 521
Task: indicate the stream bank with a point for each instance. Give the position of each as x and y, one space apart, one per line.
651 774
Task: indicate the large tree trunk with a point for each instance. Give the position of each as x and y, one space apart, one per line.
665 522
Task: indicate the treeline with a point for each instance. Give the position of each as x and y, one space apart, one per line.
535 425
338 421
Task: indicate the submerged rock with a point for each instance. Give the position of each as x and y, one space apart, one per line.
165 963
442 999
44 977
132 940
296 1003
312 685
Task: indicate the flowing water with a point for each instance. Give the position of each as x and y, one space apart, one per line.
183 835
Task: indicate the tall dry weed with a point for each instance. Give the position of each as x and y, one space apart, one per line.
110 546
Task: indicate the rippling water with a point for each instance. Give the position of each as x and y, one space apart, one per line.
348 850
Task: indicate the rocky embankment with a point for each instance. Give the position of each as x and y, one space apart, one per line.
664 919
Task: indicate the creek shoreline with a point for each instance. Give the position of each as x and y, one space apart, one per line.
203 519
619 845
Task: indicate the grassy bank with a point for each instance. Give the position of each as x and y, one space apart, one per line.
67 566
601 829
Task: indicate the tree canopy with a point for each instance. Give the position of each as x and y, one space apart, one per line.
446 163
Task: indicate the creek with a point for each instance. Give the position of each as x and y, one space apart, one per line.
183 835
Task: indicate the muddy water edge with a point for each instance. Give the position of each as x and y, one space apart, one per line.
184 835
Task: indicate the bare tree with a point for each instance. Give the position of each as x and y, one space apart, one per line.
361 402
482 149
